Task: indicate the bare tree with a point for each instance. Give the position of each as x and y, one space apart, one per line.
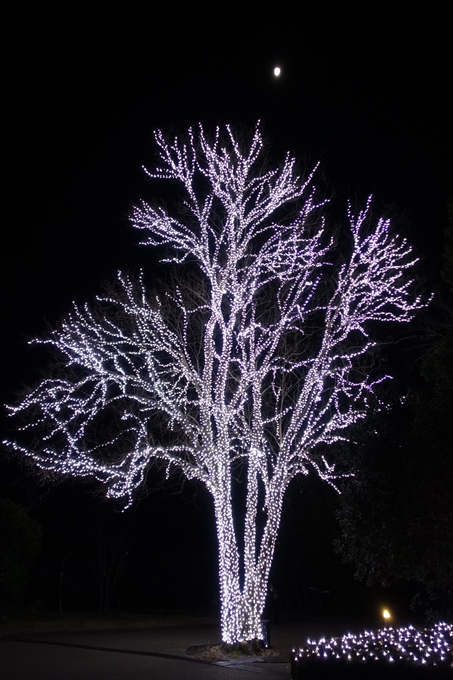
253 370
113 559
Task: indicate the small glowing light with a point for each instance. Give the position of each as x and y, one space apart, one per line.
386 615
277 71
431 645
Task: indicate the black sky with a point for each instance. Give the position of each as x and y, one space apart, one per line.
370 102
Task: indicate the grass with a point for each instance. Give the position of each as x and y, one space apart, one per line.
27 621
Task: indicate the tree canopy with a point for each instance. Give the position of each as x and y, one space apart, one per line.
246 371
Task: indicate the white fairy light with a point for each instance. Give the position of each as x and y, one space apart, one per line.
433 646
226 365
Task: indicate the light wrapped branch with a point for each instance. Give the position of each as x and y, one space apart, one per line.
257 358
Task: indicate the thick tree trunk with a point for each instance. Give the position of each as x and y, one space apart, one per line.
242 607
230 590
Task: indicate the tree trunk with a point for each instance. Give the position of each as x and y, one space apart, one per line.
242 607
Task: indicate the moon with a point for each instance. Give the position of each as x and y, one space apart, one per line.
277 71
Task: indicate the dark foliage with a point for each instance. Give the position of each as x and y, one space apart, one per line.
396 514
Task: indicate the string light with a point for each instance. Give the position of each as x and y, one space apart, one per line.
228 367
406 645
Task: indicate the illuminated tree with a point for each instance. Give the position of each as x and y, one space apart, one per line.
242 373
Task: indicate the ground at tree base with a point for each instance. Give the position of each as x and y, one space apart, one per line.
243 650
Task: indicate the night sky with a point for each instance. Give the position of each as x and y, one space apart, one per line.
371 102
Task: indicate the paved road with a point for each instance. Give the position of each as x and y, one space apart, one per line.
153 653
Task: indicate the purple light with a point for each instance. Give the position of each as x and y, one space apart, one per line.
224 361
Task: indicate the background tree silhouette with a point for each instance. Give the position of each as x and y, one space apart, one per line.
396 513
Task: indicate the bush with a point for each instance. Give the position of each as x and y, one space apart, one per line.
397 652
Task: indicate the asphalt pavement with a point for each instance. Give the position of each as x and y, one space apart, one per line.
136 654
